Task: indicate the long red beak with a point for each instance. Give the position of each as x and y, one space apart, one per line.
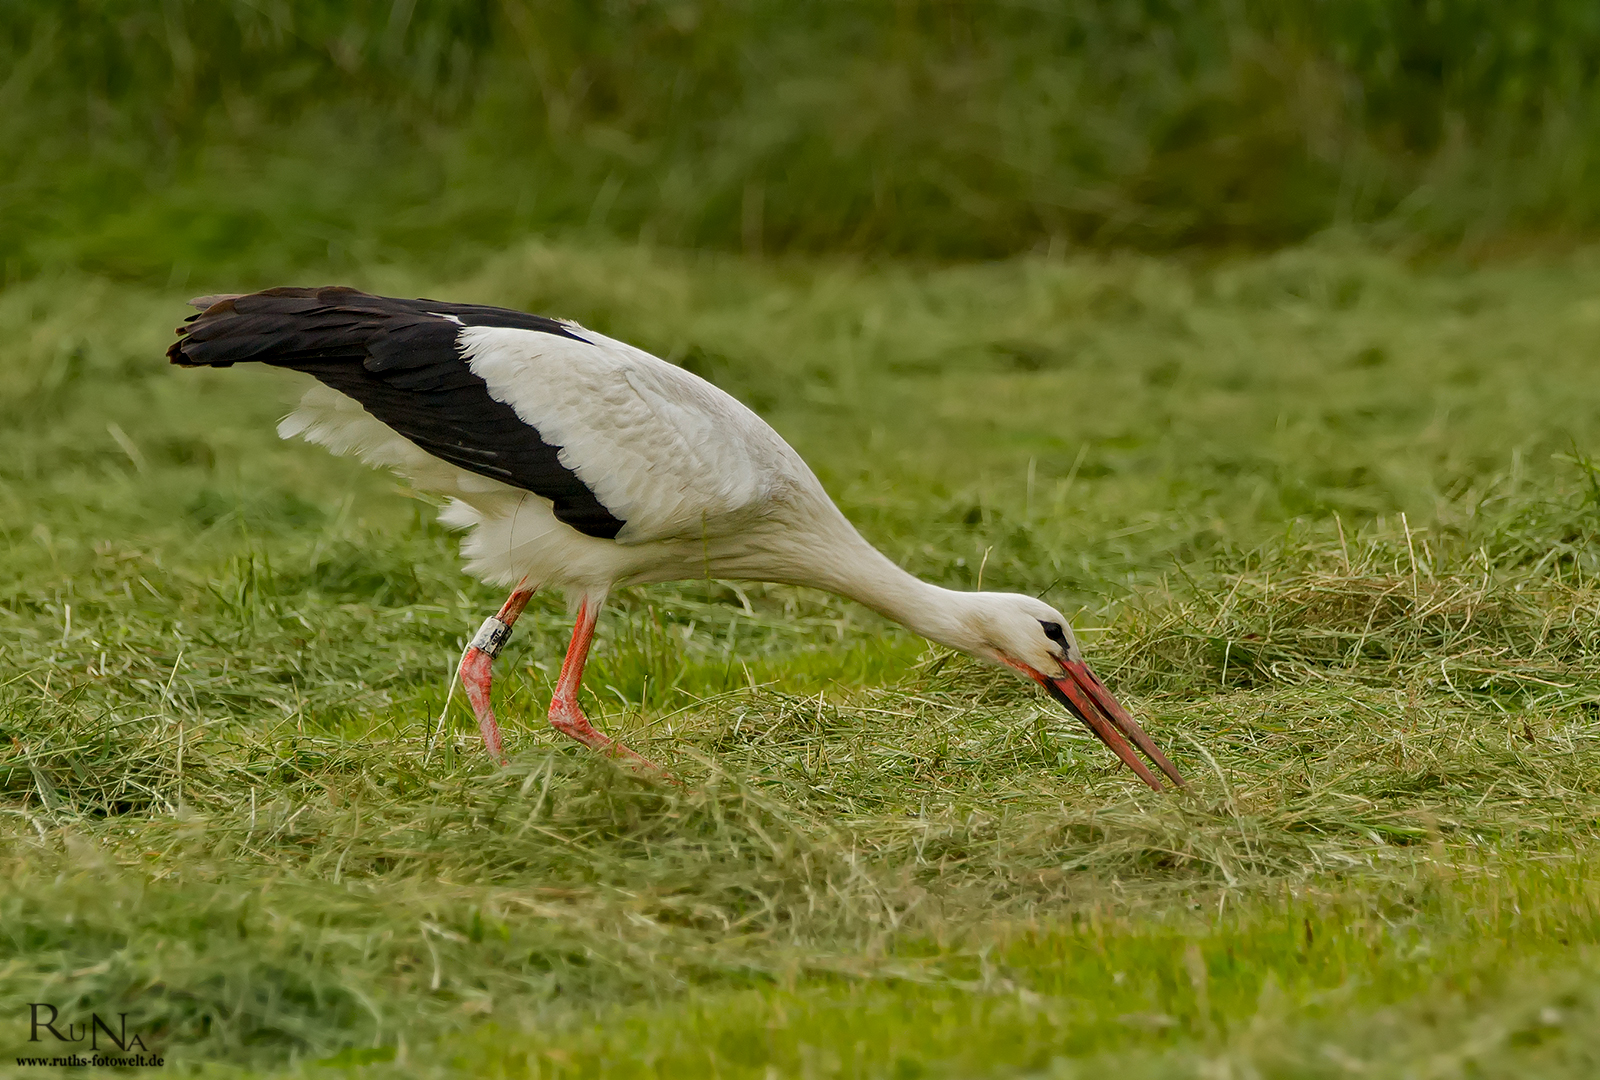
1087 698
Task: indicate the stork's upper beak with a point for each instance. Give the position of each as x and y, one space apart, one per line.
1087 698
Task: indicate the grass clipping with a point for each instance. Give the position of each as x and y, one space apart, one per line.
1341 703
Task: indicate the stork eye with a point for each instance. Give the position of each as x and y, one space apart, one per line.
1053 631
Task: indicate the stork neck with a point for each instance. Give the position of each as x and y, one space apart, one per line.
866 575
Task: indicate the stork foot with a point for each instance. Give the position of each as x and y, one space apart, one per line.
567 718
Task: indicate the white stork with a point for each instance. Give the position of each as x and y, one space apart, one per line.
582 463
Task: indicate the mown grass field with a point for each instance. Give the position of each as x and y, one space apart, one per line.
1326 519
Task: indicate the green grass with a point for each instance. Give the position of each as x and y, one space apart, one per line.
1326 517
160 141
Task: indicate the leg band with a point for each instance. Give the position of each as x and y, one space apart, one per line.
491 637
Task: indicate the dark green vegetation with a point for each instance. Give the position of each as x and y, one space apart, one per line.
164 141
1329 521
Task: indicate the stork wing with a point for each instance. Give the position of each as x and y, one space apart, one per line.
666 451
624 445
400 359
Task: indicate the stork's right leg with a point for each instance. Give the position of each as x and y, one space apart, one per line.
565 716
479 658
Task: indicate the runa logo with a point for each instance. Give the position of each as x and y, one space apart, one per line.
94 1030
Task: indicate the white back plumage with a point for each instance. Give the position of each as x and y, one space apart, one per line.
670 454
692 472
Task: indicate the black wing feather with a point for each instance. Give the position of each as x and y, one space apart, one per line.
399 359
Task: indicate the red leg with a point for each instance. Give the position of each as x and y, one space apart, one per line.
565 716
475 665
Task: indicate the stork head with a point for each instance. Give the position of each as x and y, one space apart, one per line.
1035 640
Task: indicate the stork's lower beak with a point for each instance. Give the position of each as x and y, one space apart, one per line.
1087 698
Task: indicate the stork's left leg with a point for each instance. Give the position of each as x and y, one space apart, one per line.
479 658
565 716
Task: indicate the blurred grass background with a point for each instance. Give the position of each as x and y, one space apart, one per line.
163 140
